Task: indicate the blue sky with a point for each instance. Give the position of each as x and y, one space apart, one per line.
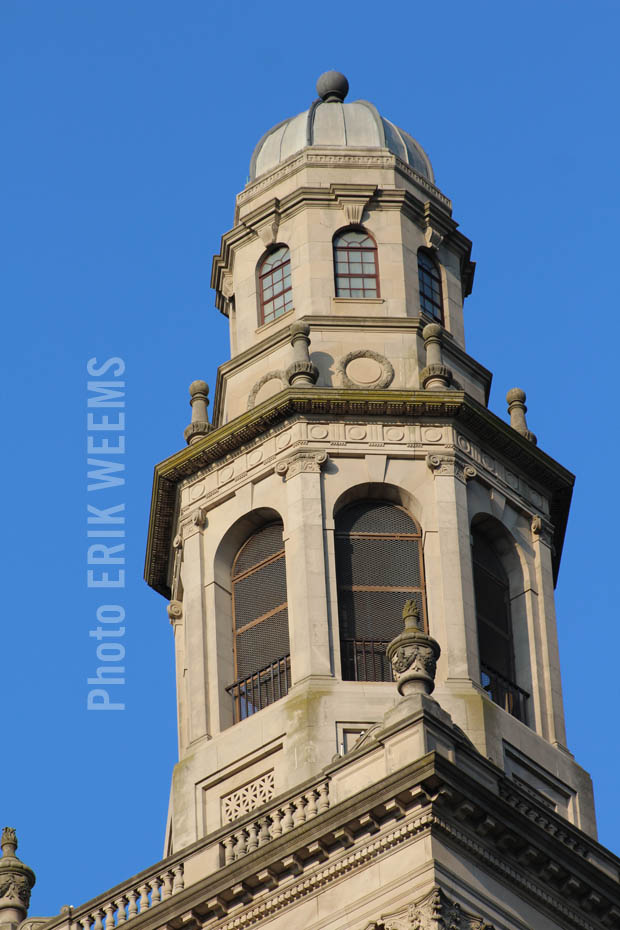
128 130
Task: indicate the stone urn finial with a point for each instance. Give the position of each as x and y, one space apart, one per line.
301 372
435 376
413 654
199 400
515 398
16 882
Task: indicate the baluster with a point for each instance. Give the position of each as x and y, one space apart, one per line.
133 904
241 844
99 915
311 805
229 849
155 884
167 889
263 836
144 897
323 802
178 884
86 922
109 915
252 837
300 811
287 822
276 823
121 916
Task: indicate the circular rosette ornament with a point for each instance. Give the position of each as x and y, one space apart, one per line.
413 654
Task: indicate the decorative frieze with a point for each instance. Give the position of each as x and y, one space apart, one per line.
436 911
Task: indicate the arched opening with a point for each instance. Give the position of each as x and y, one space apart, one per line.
274 284
356 269
429 279
261 648
492 589
379 566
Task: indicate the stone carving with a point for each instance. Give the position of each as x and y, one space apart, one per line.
199 517
413 654
542 529
227 286
199 400
269 376
434 912
175 611
449 464
387 375
515 398
248 798
16 880
302 462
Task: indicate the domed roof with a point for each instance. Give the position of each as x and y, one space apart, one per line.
331 122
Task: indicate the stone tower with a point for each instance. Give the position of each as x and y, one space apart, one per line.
352 464
360 561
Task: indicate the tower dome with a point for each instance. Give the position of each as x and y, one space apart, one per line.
330 121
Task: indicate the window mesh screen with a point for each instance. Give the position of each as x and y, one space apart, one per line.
260 615
379 567
492 609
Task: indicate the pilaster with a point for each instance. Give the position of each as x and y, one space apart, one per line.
305 565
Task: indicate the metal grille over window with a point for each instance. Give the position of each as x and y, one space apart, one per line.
260 623
379 567
497 664
431 300
355 264
274 282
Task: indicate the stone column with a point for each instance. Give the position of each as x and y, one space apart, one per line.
305 565
435 376
302 372
459 635
199 400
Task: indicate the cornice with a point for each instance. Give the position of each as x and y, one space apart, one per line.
272 213
451 405
541 857
340 158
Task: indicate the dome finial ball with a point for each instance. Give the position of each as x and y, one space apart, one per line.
332 85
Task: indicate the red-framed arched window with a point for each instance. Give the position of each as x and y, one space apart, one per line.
274 284
356 268
431 297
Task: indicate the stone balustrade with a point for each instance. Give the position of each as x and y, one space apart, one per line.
131 901
227 845
275 822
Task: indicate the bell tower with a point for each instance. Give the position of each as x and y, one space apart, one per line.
352 471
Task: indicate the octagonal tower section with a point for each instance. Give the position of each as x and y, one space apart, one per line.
352 468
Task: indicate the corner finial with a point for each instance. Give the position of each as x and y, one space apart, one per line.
302 371
16 881
435 376
332 87
413 654
515 398
199 400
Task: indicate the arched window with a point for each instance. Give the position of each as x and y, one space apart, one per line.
355 264
497 662
274 284
260 622
379 567
431 298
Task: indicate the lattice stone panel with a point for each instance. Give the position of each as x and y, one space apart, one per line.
248 798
